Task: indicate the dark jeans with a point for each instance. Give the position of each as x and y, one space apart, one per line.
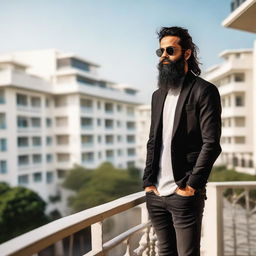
176 220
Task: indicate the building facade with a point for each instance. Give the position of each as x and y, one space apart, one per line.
242 17
55 112
234 79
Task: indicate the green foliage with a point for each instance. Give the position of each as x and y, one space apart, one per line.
104 184
21 210
221 173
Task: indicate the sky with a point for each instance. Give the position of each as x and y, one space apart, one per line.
119 35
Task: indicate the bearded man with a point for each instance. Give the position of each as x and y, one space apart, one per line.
183 144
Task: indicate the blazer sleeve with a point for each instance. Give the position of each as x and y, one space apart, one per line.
210 125
150 150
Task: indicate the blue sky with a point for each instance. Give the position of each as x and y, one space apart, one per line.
120 35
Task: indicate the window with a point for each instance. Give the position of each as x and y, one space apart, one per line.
2 121
239 139
130 111
109 153
49 177
86 104
22 121
109 139
130 125
86 80
88 157
109 123
48 140
119 108
36 102
130 164
119 138
23 160
87 139
22 100
48 122
62 157
239 121
49 158
239 77
23 179
2 99
118 123
61 121
3 166
86 122
3 144
37 176
130 91
37 158
73 62
36 141
62 139
130 138
109 107
22 142
36 122
60 101
239 100
131 151
47 102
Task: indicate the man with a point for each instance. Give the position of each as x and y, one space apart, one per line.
183 144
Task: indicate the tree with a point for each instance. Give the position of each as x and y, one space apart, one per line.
21 210
104 184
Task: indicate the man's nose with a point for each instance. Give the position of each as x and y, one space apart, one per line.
165 54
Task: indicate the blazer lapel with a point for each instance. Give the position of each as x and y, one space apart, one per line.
186 86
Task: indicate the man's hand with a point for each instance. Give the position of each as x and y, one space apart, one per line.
149 188
187 191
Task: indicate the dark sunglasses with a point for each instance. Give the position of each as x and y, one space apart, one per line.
170 51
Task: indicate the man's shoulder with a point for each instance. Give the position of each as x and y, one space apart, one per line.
204 85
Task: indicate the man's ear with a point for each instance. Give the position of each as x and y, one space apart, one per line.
187 54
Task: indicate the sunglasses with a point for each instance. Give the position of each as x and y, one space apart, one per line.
170 51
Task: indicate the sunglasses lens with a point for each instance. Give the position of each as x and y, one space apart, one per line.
170 50
159 52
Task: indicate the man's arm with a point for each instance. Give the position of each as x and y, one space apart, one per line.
150 149
210 124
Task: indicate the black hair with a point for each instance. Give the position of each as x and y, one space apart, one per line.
185 43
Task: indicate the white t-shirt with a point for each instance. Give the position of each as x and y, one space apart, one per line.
165 180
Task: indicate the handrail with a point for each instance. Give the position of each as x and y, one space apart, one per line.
39 238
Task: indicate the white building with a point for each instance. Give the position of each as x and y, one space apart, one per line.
234 78
55 111
243 17
143 124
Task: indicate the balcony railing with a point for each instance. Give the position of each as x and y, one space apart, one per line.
228 227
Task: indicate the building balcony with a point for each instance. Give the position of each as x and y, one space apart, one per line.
228 227
232 88
242 16
234 111
235 131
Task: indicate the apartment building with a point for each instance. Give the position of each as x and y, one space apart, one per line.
233 78
143 124
242 17
56 111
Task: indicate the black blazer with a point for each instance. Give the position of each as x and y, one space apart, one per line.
196 133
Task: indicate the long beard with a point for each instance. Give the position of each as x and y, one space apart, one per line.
171 74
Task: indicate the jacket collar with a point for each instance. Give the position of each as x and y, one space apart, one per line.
186 87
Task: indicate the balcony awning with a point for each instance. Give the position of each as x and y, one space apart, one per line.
243 18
